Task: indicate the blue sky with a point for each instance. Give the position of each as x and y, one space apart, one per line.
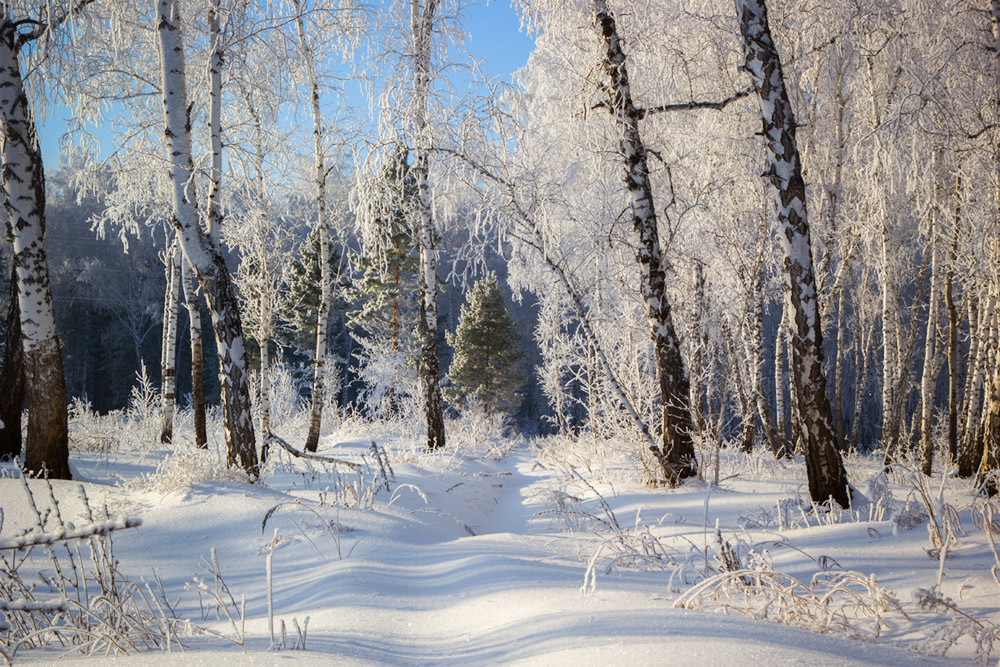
494 35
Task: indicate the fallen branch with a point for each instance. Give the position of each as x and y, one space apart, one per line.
275 440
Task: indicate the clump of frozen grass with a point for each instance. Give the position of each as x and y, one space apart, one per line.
477 434
185 468
60 585
215 597
843 603
983 634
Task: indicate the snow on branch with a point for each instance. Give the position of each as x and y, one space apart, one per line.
275 440
68 532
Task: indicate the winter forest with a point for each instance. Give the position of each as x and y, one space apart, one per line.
328 339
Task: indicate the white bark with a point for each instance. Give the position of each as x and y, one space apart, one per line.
168 366
199 249
46 446
323 229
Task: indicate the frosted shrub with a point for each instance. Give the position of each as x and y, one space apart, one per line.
93 432
477 434
142 417
844 603
135 427
185 468
60 586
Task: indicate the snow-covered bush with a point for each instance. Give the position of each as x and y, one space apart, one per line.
475 433
185 468
60 585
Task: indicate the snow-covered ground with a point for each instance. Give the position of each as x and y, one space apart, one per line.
553 555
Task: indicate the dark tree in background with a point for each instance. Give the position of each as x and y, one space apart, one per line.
484 367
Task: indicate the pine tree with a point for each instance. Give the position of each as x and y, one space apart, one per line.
485 342
300 308
384 296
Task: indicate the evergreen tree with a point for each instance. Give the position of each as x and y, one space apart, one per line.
302 303
384 296
485 343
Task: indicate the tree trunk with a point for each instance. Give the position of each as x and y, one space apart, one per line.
989 469
323 229
193 304
202 253
755 356
779 380
168 355
46 446
827 477
422 30
12 379
929 374
699 348
972 443
676 453
953 324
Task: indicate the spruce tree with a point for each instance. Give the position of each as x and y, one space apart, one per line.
485 342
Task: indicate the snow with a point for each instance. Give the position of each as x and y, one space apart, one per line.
468 560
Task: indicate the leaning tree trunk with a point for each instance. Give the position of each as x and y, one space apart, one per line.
168 355
323 228
676 453
193 304
202 253
827 476
46 446
422 30
12 379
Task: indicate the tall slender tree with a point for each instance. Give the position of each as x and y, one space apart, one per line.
825 469
46 446
200 249
676 451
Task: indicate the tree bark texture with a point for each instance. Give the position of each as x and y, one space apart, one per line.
168 355
199 249
323 227
193 304
46 445
676 453
826 473
12 379
422 31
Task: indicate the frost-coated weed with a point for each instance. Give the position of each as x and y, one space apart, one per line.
844 603
60 585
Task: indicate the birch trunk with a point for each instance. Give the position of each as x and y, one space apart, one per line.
779 379
827 477
215 121
168 355
929 374
972 443
989 469
953 324
193 304
699 348
12 379
755 355
46 446
676 453
422 30
323 229
202 253
862 361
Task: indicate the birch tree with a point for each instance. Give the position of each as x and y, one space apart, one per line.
46 446
200 248
825 469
